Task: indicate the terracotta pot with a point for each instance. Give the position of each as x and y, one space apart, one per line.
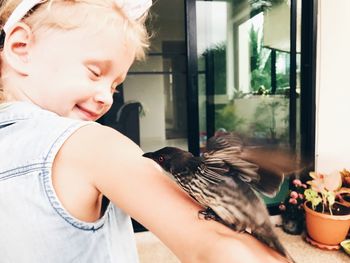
324 228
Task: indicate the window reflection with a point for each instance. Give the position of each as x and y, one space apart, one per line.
244 71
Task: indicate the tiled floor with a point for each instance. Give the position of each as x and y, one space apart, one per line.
152 250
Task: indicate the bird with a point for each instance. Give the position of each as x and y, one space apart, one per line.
225 180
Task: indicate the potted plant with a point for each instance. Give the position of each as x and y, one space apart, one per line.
327 209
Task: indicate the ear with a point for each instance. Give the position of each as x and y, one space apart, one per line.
16 46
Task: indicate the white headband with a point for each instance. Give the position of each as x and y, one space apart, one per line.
134 9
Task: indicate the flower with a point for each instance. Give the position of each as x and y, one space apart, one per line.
294 194
297 182
326 194
282 207
291 206
292 209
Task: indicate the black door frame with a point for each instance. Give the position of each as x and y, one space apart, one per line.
192 77
308 79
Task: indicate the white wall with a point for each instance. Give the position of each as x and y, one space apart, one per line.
148 90
333 87
167 22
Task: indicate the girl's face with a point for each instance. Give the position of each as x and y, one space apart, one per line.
74 73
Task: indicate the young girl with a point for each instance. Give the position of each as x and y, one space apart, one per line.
60 63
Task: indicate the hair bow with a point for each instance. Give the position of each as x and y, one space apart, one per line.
134 9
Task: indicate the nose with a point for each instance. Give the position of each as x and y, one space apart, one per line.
104 96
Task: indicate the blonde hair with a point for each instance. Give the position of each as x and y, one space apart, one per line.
69 14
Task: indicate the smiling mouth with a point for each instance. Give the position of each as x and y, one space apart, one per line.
87 114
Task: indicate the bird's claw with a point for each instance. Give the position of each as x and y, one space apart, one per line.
207 214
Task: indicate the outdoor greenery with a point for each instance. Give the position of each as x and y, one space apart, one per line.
227 118
260 72
265 121
217 57
263 4
260 66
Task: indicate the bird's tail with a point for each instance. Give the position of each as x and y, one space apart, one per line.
269 237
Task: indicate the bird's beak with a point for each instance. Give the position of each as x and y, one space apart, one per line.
148 155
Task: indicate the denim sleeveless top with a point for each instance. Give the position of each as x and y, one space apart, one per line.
34 226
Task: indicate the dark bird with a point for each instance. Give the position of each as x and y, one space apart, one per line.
224 180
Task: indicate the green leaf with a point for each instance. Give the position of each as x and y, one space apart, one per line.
313 197
310 194
315 202
330 196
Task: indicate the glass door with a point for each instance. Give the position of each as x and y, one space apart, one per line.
159 82
248 55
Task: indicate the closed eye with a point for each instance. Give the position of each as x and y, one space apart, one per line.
94 71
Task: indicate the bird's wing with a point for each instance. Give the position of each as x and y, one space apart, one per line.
224 140
253 165
237 204
228 159
214 172
263 178
227 148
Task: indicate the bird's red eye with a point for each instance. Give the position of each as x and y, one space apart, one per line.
160 159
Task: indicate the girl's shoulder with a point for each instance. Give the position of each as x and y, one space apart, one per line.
98 144
101 154
92 156
105 139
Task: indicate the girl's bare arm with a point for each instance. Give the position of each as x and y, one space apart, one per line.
115 167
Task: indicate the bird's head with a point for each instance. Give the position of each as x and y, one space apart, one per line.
170 158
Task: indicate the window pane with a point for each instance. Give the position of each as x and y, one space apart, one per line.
159 83
244 52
